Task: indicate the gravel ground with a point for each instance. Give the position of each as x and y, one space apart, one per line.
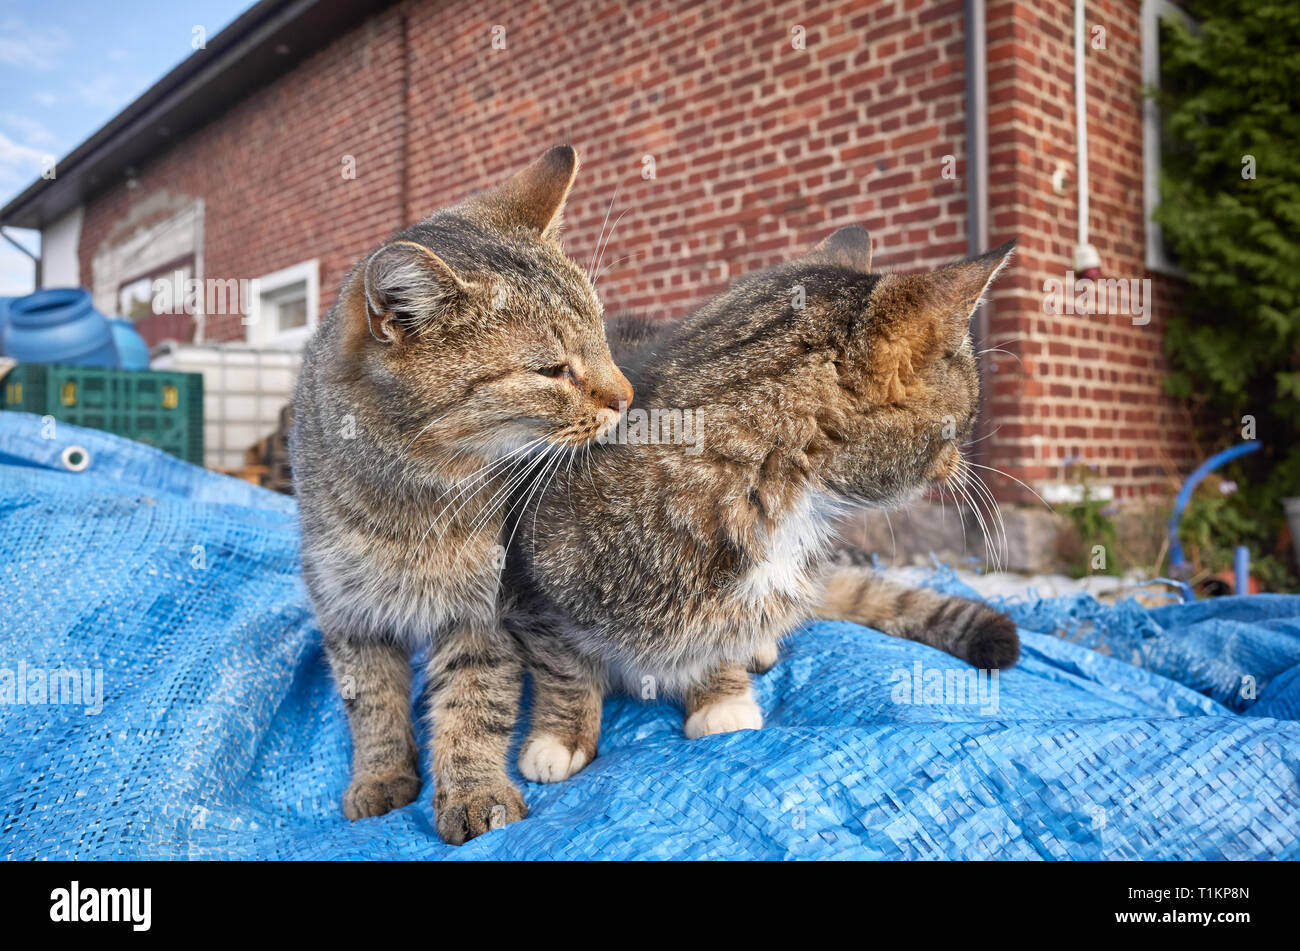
1104 588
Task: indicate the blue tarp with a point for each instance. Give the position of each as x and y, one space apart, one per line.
1123 732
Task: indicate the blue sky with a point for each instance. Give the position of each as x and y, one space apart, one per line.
67 67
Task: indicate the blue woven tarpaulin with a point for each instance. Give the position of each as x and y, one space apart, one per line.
1134 734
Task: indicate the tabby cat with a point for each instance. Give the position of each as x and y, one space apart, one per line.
461 358
820 384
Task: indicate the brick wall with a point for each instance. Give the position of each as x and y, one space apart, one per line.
1073 387
269 170
759 150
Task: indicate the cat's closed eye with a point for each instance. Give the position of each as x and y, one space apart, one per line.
558 369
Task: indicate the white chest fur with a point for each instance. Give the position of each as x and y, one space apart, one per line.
795 541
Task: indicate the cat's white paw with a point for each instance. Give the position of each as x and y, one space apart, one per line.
725 716
546 759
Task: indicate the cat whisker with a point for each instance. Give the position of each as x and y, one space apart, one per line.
608 237
424 429
484 472
893 543
504 495
982 438
1000 350
980 490
553 452
1007 475
591 265
990 554
484 476
965 545
997 508
623 260
555 469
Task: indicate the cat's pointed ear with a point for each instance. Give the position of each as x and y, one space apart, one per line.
534 197
409 289
848 247
943 299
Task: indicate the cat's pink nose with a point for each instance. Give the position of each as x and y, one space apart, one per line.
621 396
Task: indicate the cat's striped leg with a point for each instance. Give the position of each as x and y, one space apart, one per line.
374 679
765 658
723 703
970 630
474 682
568 693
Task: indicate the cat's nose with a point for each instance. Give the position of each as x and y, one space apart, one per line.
621 396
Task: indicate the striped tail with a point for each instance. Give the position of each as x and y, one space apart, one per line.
967 629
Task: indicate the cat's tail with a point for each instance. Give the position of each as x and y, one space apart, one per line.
967 629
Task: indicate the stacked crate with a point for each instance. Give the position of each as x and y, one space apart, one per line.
268 459
159 407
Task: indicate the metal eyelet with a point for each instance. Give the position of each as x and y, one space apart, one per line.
75 458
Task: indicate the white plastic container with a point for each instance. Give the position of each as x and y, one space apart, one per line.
244 389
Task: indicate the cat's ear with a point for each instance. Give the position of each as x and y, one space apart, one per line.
408 289
848 247
534 197
942 300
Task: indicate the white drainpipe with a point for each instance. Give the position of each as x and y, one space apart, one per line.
1087 262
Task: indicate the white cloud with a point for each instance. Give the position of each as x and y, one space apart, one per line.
15 154
27 47
20 165
106 92
28 129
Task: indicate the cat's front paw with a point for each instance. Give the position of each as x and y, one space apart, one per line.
724 716
548 759
370 795
464 814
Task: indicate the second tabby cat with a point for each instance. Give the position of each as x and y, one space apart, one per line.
818 383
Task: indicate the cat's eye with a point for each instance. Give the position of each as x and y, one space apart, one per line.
553 371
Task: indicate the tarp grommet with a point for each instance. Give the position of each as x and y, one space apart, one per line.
75 458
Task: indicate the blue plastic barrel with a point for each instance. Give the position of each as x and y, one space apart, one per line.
132 351
59 325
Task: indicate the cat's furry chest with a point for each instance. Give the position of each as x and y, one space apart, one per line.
787 554
406 577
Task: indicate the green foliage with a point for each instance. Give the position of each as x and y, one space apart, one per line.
1231 90
1213 525
1091 517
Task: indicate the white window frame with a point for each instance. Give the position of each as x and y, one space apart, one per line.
1153 11
268 285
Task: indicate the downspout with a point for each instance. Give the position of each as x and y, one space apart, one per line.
36 258
1087 262
977 129
977 177
404 158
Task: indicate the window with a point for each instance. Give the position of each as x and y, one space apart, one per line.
284 305
160 292
1158 256
135 299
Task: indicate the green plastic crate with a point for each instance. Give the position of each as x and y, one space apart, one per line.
163 408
